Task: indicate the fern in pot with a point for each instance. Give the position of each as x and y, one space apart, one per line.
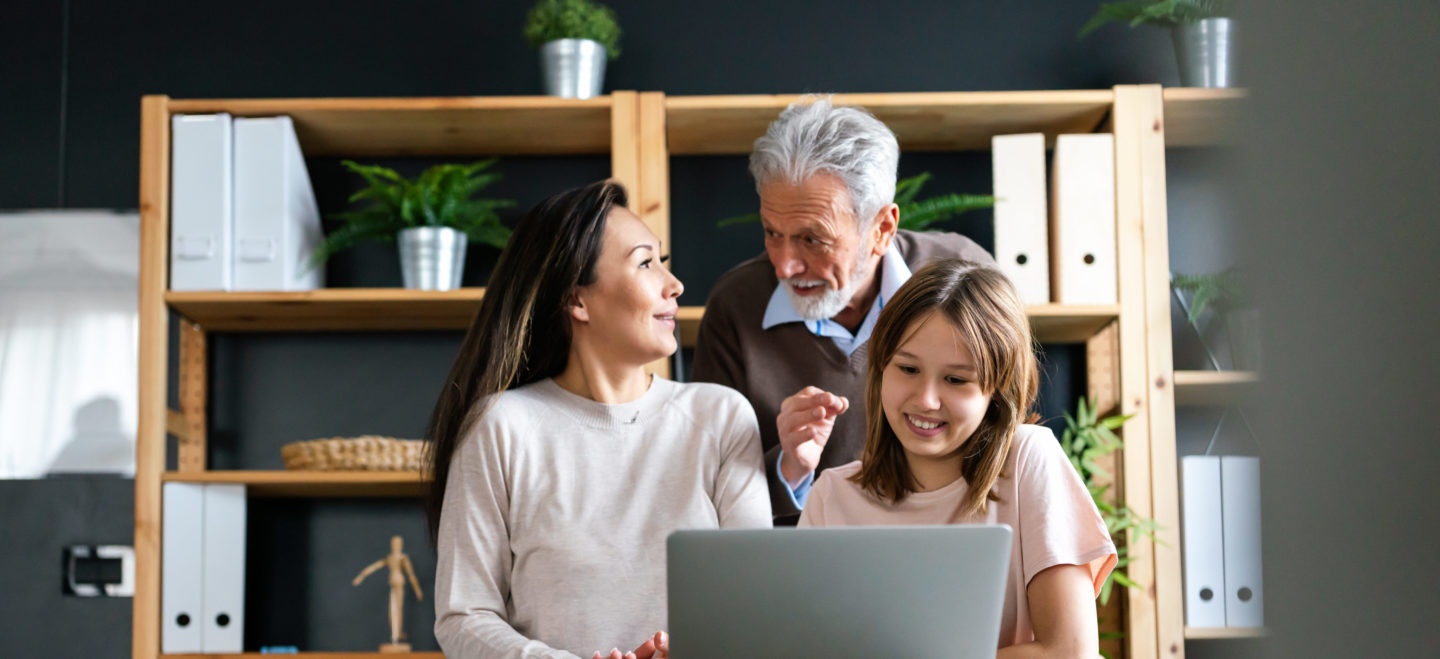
1202 31
575 38
432 218
1224 294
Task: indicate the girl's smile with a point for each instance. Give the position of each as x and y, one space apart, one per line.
932 399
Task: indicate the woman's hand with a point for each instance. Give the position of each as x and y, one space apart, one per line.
656 647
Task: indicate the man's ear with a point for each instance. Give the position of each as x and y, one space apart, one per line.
886 223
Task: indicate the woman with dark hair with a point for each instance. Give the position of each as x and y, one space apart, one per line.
560 465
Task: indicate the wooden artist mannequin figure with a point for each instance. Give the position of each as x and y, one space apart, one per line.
396 561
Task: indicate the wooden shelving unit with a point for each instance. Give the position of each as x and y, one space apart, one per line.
1145 120
1222 633
1214 387
375 127
641 131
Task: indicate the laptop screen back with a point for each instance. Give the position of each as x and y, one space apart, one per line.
892 591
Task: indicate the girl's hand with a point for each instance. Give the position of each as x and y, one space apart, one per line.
657 647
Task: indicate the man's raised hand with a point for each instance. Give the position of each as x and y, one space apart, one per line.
805 422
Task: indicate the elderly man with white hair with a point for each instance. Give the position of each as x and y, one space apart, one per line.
789 328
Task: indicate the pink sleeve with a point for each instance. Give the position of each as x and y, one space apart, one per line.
1059 524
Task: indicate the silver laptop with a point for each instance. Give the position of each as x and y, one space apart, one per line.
877 591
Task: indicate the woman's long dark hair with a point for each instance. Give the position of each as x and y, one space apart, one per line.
521 333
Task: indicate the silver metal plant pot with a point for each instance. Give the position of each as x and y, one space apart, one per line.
573 68
432 258
1205 52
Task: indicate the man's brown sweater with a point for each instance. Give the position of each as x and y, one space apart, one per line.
768 366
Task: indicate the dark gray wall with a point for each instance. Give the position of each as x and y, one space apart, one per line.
39 519
1337 190
270 48
272 389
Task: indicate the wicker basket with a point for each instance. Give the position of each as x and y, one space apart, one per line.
366 453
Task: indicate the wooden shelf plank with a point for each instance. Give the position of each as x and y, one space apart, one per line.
313 483
927 121
1214 387
951 121
1052 323
1070 323
465 126
329 309
1201 117
308 655
400 309
1199 633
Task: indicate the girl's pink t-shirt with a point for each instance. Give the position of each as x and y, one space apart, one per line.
1042 500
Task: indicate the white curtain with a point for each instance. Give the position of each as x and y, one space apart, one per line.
68 342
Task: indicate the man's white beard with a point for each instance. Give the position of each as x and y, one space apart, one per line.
828 304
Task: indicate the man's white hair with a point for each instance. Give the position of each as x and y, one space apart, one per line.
813 135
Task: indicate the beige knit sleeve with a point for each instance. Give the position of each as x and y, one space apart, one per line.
473 556
742 498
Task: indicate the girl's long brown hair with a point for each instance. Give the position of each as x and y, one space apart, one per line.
984 308
521 333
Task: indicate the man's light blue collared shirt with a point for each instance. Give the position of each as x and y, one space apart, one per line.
893 274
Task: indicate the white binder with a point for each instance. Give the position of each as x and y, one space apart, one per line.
1082 226
201 210
277 223
1203 541
224 568
1020 214
1240 500
181 549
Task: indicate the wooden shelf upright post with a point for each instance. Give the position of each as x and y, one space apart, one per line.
1155 616
153 352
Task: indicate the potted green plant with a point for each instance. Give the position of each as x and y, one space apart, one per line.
914 215
432 217
1086 439
1202 31
1224 295
575 37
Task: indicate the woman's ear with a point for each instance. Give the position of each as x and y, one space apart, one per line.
578 311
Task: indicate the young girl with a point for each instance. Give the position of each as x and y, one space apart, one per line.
560 464
951 380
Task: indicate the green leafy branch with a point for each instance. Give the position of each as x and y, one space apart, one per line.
914 215
1225 291
1161 13
919 215
442 196
1085 441
550 20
